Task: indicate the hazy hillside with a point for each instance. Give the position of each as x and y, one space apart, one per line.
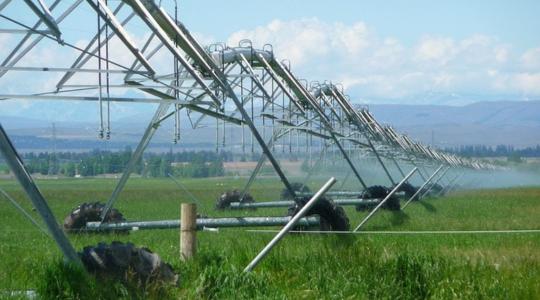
490 123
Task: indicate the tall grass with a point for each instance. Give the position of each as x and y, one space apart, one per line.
301 266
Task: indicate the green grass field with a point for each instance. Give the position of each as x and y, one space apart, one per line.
366 266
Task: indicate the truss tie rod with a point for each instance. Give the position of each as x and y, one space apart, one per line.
24 212
87 98
13 57
423 186
181 186
429 187
143 12
81 70
45 15
385 199
103 10
24 31
16 165
143 143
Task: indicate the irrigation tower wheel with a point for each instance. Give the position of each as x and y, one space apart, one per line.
124 261
76 221
333 216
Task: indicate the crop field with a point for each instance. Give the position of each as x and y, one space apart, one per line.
323 266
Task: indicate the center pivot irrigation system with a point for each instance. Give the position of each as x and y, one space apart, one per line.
133 51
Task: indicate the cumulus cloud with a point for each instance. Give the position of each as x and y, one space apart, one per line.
528 83
530 60
384 68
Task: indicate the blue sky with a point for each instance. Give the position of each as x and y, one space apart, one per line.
422 52
407 52
516 22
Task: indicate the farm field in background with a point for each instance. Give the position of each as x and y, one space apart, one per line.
500 266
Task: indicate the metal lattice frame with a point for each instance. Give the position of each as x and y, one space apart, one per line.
237 86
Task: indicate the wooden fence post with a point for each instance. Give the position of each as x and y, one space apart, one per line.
188 231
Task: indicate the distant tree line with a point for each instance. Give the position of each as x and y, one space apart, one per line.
497 151
99 162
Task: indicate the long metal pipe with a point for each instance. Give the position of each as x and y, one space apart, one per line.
287 203
201 223
335 193
290 225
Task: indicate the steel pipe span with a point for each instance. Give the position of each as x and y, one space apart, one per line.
287 203
202 223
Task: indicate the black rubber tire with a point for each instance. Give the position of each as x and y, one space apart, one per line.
297 187
333 216
124 261
76 221
379 192
224 201
408 189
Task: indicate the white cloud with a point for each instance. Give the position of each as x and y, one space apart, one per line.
530 60
302 41
384 68
501 54
438 51
528 83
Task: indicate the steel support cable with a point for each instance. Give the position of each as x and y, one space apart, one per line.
165 38
398 232
371 145
24 212
45 15
8 59
81 59
324 120
67 44
24 178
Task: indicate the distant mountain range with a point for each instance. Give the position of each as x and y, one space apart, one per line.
489 123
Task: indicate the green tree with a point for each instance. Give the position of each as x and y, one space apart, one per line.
154 163
165 167
70 169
